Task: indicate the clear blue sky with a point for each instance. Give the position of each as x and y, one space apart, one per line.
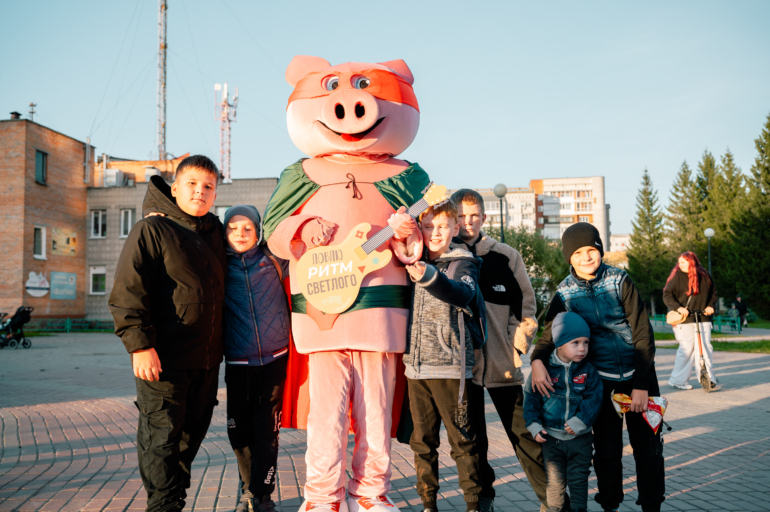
509 91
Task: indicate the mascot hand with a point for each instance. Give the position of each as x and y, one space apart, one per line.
317 232
402 223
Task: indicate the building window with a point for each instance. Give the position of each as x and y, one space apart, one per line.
38 250
527 216
566 206
221 210
126 222
98 223
540 220
584 193
583 218
41 167
98 280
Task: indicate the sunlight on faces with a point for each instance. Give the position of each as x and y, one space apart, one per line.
195 191
575 351
471 218
684 265
586 261
241 233
437 232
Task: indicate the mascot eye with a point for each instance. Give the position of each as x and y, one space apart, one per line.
331 83
361 82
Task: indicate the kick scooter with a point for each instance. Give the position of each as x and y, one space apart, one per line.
705 380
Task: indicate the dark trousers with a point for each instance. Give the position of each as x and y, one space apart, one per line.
568 463
254 402
509 403
431 402
174 415
608 452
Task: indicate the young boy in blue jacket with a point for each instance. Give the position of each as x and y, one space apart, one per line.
622 349
256 344
562 422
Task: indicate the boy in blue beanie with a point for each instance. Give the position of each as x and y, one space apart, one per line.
562 422
623 352
256 319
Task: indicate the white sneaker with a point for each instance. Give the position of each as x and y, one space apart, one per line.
680 386
337 506
376 504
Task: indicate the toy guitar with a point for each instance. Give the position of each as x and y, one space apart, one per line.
330 276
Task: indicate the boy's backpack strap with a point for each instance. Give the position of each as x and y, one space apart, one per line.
450 273
272 257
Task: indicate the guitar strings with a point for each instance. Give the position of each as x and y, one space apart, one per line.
382 236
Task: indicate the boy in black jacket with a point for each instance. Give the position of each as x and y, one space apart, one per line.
439 356
167 304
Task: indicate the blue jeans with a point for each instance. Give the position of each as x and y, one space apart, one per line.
568 464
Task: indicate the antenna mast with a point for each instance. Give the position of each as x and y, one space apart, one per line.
32 111
227 113
162 8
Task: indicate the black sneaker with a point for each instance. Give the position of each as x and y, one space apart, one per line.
264 504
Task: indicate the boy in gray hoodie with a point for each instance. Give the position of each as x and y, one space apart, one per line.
439 361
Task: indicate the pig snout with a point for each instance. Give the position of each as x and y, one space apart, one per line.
350 113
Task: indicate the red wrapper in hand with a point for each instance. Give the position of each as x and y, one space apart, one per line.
656 408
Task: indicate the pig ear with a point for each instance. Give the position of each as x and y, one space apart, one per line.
400 67
301 65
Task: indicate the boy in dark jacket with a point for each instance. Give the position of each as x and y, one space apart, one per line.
622 349
562 422
167 304
511 310
256 345
439 356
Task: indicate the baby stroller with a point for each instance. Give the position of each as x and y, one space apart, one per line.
12 334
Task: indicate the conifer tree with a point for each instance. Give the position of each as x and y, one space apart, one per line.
684 214
649 260
706 177
751 232
726 200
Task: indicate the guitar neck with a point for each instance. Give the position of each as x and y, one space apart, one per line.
385 233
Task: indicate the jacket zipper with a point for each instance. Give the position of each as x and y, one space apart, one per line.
566 382
601 322
251 303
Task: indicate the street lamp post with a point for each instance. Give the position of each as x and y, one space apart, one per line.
709 234
500 191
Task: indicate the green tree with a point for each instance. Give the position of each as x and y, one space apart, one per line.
726 200
684 231
543 258
649 260
751 232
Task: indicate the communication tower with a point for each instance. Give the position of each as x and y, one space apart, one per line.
162 9
226 111
32 111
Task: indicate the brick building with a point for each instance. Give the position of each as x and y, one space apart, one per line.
63 223
44 176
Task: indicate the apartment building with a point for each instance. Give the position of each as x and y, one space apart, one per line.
550 206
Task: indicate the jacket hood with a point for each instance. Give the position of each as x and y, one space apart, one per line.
159 199
457 252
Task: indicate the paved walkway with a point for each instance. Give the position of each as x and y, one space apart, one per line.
68 428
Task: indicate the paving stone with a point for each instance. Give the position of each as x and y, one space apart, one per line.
67 441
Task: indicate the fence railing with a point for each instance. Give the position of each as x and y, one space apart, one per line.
717 322
68 325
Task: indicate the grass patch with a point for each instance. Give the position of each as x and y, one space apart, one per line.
661 336
760 324
751 347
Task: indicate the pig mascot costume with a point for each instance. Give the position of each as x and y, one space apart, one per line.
351 119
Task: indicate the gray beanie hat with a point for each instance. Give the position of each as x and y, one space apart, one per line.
568 326
248 211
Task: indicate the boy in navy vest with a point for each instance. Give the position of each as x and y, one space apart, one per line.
622 349
562 422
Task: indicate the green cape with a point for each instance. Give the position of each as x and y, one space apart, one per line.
295 188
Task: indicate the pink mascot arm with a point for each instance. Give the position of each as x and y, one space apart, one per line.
406 242
285 242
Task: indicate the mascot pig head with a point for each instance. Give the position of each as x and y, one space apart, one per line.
359 109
